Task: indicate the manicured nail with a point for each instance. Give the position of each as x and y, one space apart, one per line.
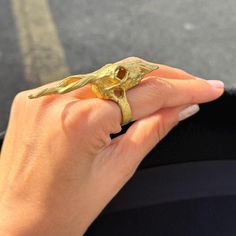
216 83
189 111
213 83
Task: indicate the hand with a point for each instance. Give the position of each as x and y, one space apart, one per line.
59 167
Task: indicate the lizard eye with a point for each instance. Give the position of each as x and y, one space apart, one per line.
120 72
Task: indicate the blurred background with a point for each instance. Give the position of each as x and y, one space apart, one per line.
45 40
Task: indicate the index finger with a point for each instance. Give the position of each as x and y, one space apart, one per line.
155 93
150 96
163 71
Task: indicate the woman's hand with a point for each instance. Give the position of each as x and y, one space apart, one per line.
59 167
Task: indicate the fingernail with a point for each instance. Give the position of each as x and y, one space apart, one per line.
189 111
216 83
213 83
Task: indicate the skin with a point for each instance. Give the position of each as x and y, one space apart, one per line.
58 166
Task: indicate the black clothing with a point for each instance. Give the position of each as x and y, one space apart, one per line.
186 186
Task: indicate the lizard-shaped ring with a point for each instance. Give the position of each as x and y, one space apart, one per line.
109 82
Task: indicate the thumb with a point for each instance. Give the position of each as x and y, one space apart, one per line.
144 134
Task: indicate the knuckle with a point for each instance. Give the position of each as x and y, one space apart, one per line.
84 111
133 58
102 141
111 114
19 98
183 73
116 128
159 84
163 84
73 117
114 125
159 87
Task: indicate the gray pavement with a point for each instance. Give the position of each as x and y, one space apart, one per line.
196 35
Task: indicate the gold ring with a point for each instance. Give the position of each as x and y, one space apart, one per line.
111 81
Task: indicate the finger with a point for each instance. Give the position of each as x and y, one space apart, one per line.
144 134
156 93
163 71
170 73
86 92
148 97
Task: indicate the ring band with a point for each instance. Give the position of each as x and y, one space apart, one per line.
125 111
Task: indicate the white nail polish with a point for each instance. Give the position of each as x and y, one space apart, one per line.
216 83
189 111
213 83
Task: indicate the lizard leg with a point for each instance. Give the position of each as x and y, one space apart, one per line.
69 80
75 85
67 85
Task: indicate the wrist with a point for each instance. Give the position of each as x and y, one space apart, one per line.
22 221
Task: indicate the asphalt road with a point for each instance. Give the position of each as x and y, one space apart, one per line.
78 36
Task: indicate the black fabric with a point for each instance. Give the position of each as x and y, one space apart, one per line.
2 134
207 137
215 216
176 182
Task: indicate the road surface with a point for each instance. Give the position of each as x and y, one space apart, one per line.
42 41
